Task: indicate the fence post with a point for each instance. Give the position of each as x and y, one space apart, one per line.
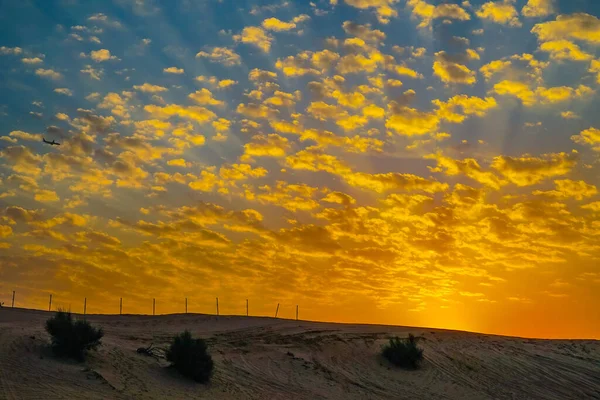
186 305
121 306
50 304
153 306
246 307
276 311
13 301
296 312
217 306
84 305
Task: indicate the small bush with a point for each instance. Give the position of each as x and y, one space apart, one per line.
403 352
72 338
190 358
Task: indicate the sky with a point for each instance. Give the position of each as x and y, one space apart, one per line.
405 162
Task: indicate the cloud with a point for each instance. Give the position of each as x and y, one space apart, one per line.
45 196
579 26
48 73
569 115
65 91
517 89
501 12
277 25
173 70
104 19
364 32
253 110
22 160
259 75
94 73
239 172
289 196
450 71
469 105
542 95
256 36
10 50
150 88
221 55
26 136
272 145
428 12
410 121
494 67
219 84
298 65
381 183
32 60
562 93
566 189
538 8
590 137
468 167
528 170
101 55
384 9
205 97
339 198
198 114
564 50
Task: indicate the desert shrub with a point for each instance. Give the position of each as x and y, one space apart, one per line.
72 338
190 358
403 352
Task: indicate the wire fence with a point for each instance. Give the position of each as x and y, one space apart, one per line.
276 315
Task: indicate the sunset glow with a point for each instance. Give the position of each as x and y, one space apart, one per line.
405 162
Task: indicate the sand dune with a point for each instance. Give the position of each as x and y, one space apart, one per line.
267 358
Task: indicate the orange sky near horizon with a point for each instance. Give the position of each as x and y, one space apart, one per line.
404 162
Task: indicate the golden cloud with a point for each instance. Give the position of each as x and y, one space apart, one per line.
277 25
272 145
256 36
428 12
149 88
221 55
564 50
173 70
452 72
363 31
198 114
528 170
501 12
568 188
383 8
48 73
589 136
494 67
101 55
32 137
205 97
468 167
538 8
578 26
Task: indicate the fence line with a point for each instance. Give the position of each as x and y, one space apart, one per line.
153 306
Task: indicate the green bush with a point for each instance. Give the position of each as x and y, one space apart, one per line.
403 352
190 358
72 338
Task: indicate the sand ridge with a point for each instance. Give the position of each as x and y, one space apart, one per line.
268 358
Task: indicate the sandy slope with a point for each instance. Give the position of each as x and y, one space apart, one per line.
329 361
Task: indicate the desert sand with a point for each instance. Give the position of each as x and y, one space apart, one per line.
268 358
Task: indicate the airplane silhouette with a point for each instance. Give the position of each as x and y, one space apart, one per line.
52 143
